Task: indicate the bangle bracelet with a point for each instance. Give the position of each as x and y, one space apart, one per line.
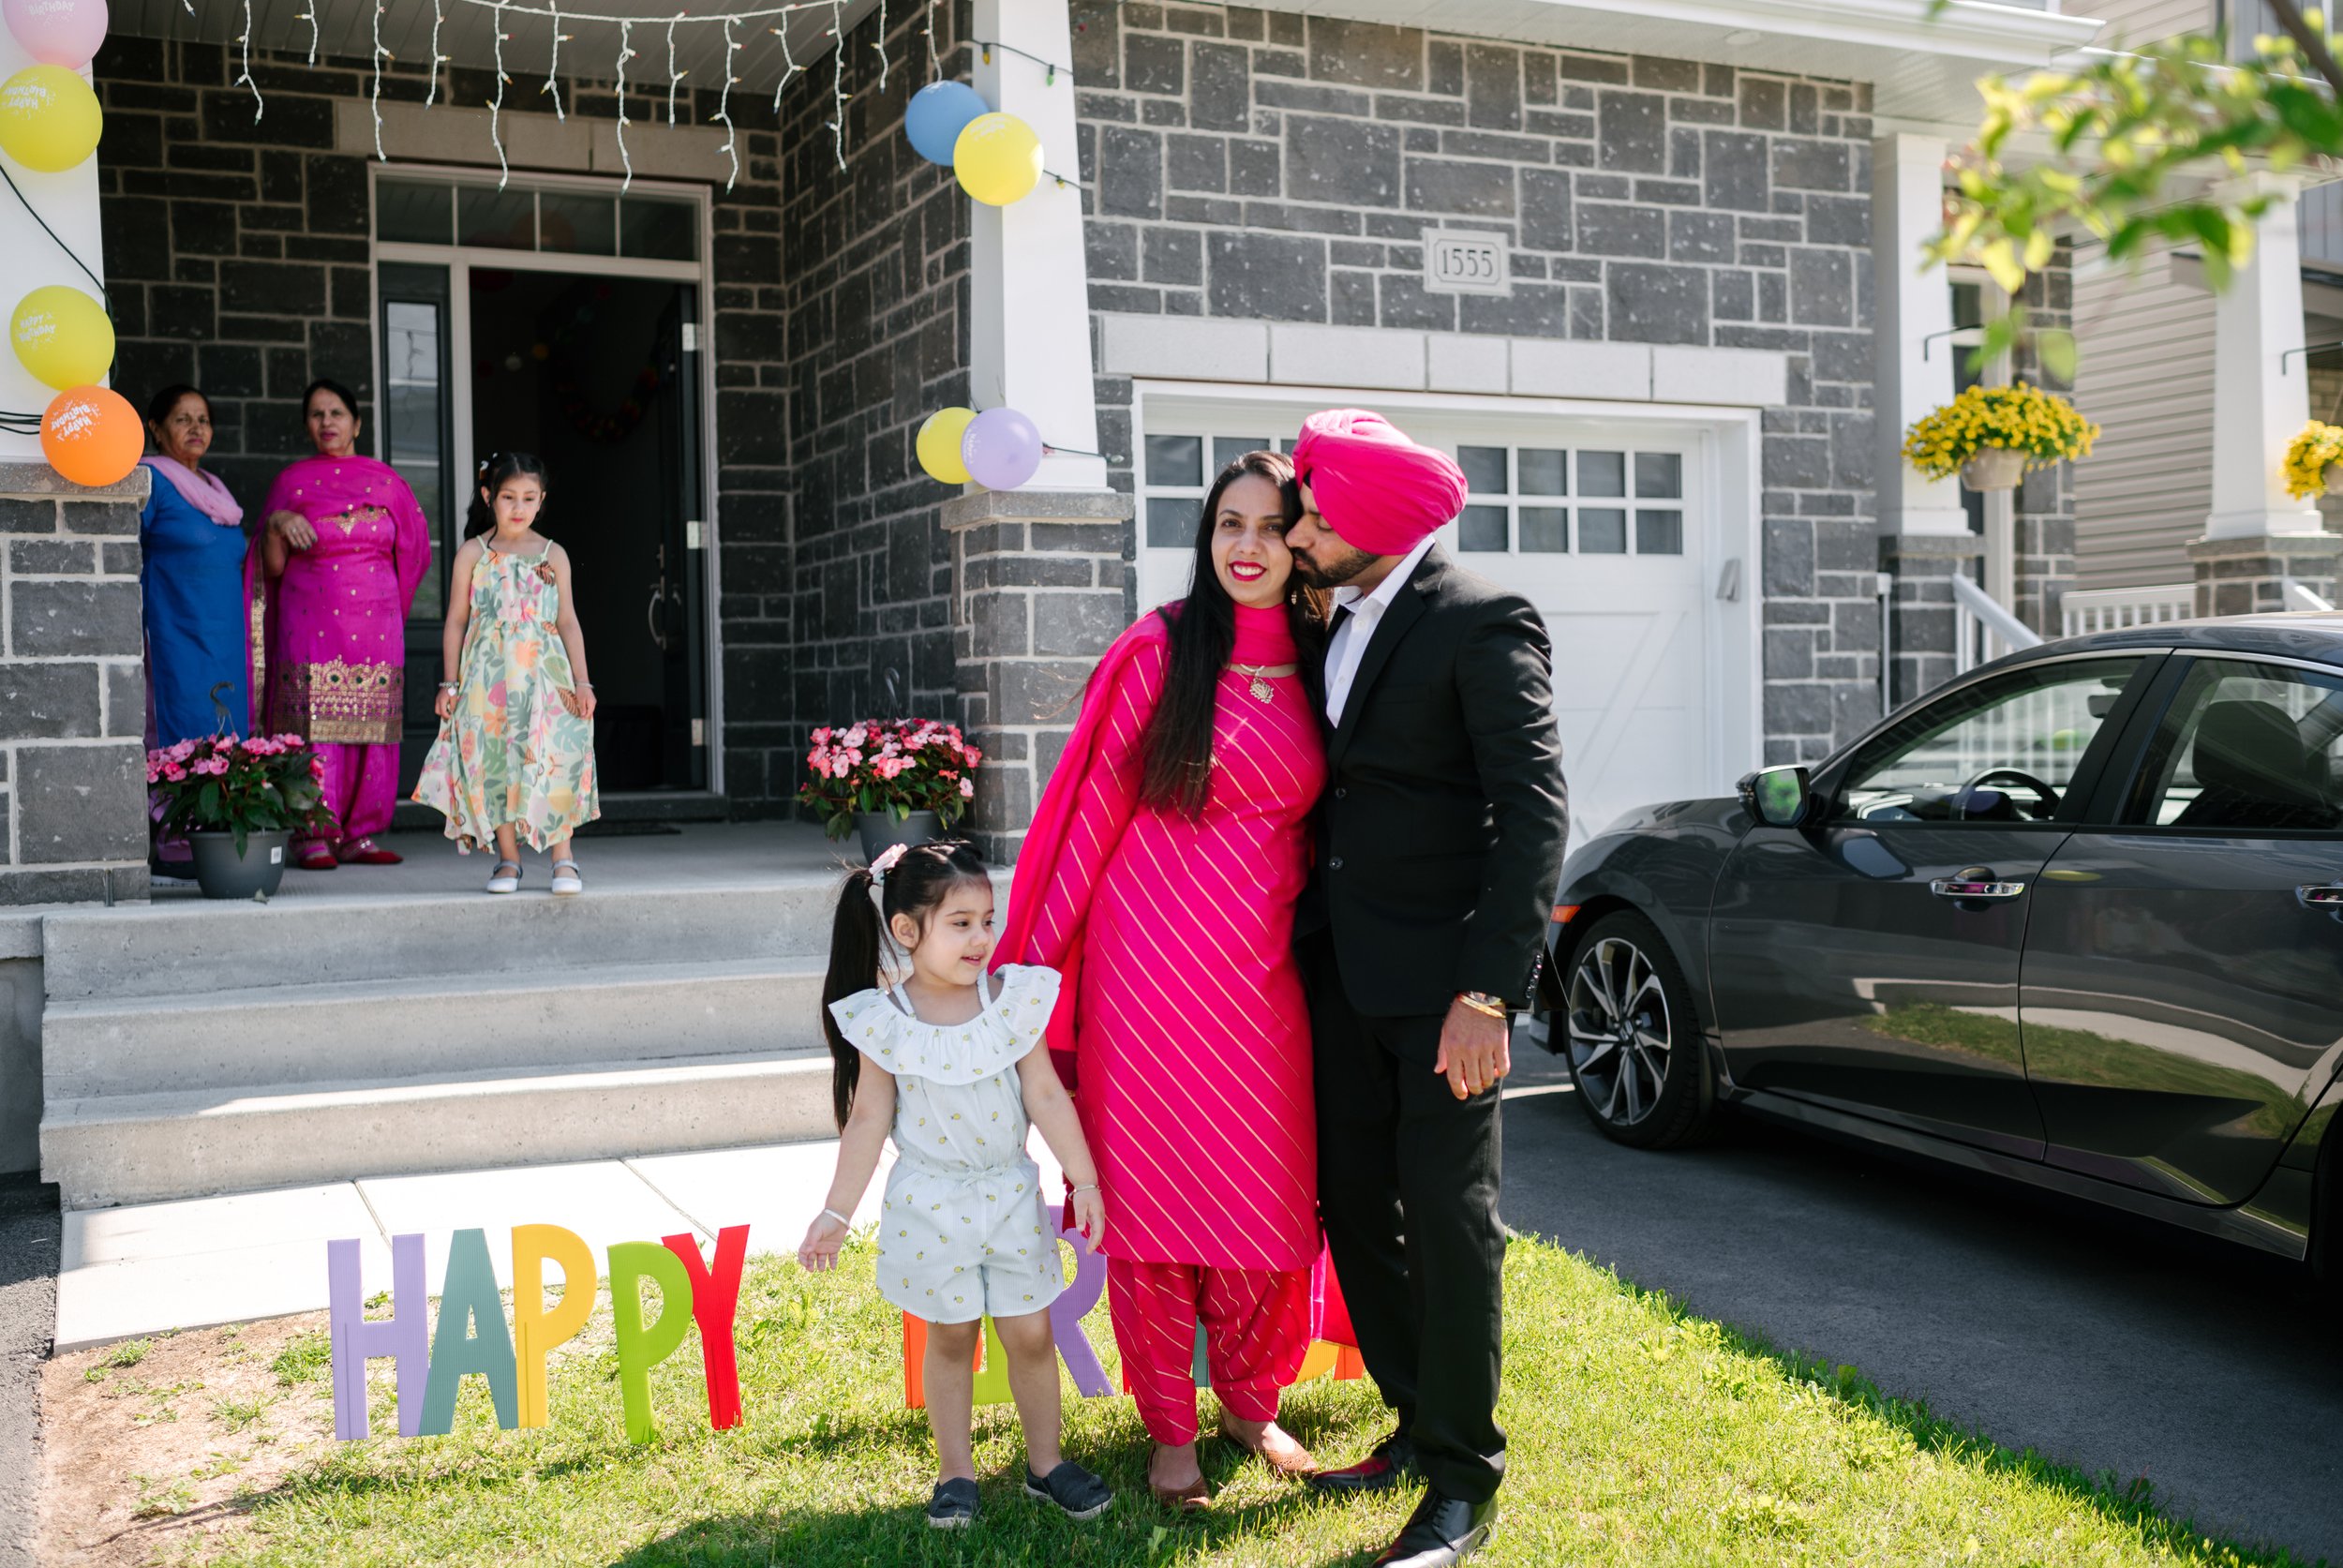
1486 1010
843 1220
1086 1187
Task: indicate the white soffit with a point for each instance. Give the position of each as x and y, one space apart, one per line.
590 50
1923 68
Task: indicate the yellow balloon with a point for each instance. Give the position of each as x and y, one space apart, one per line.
62 336
49 119
939 446
998 159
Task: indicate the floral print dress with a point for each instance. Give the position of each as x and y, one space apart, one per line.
514 753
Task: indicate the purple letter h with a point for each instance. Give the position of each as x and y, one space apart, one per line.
406 1334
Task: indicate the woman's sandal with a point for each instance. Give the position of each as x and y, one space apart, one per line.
316 857
365 852
500 883
1277 1449
1194 1498
566 883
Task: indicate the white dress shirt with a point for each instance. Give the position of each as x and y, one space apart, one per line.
1355 627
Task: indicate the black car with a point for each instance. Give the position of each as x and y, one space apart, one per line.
2076 917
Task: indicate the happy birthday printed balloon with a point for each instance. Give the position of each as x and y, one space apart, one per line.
92 436
62 336
939 446
998 159
57 32
49 119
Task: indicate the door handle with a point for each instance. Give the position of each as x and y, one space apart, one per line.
1963 888
2320 896
650 615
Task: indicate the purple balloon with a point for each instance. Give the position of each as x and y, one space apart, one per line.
58 32
1001 448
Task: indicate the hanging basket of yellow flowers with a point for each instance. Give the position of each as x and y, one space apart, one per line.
2314 461
1991 435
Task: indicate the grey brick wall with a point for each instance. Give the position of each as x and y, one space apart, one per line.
2046 501
1263 164
72 693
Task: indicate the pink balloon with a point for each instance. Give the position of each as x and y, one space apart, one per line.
1001 448
57 32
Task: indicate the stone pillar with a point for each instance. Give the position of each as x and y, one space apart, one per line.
1914 356
1039 593
2247 575
72 690
1925 619
1029 282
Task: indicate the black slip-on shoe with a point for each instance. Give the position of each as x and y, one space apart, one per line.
954 1504
1077 1493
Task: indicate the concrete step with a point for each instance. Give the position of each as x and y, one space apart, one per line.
142 1148
285 1037
192 948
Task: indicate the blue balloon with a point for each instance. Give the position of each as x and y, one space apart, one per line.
939 113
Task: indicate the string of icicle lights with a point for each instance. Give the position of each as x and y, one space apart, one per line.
774 17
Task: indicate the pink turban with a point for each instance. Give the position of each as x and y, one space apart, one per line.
1374 487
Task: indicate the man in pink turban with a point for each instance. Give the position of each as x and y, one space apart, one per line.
1439 852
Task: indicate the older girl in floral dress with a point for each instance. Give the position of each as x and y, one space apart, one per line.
516 753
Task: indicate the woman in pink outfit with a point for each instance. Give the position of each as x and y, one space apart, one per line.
1160 876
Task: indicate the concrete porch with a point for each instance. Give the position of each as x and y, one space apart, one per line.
398 1021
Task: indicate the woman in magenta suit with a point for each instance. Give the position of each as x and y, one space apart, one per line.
1160 876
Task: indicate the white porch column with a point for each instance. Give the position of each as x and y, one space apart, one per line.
2257 408
1029 339
1913 311
31 259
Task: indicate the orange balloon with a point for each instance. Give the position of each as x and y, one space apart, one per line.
92 436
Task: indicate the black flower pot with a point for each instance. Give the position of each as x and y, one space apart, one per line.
221 873
882 829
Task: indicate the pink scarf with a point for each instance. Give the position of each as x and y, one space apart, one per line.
200 490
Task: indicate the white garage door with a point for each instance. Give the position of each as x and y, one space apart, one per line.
1606 526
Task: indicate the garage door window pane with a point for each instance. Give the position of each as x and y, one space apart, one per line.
1602 531
1171 523
1540 471
1659 533
419 214
1484 468
506 219
1602 473
1482 528
586 225
1176 460
1544 529
1228 449
659 231
1659 475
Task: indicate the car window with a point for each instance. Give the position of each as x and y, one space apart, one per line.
2244 746
1999 751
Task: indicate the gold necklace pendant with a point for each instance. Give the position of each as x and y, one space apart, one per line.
1261 690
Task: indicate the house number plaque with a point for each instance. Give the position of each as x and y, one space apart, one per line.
1459 263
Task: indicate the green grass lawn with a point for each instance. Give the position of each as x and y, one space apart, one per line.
1639 1436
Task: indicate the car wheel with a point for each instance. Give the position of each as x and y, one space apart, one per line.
1636 1054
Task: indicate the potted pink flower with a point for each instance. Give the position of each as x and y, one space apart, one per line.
238 801
896 781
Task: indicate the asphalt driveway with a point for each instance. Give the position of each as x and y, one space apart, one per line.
28 1313
2107 1343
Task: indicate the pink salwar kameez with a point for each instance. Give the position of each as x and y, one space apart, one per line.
1191 1038
331 663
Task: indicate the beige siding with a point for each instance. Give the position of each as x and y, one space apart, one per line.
2145 375
2136 21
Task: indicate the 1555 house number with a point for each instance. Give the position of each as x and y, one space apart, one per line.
1457 263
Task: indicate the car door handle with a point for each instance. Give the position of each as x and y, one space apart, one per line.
1963 888
2318 896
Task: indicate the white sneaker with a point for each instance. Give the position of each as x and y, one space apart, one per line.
565 880
503 882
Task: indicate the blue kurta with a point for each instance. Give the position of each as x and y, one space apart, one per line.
192 578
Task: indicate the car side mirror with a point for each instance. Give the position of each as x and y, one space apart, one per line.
1776 797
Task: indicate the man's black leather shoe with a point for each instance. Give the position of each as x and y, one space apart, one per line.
1443 1531
1379 1471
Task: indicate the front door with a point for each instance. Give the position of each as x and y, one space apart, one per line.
1870 961
2183 997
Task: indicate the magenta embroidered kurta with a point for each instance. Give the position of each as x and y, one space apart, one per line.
1191 1033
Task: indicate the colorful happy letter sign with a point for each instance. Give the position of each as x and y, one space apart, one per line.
472 1338
643 1346
406 1334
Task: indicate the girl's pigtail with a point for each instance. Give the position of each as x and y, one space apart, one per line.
855 950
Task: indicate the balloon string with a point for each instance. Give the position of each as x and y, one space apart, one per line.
53 235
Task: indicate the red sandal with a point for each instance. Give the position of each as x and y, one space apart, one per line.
315 856
365 852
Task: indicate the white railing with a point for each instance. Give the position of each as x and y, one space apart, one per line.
2109 609
2297 597
1980 608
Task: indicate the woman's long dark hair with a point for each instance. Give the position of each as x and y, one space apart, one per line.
858 939
1178 772
498 467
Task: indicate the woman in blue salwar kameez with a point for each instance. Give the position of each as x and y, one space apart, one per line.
191 535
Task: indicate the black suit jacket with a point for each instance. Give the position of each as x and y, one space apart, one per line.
1442 826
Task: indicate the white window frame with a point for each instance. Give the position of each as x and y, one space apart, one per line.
1724 514
461 258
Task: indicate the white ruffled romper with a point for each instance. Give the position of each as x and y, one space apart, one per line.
963 1232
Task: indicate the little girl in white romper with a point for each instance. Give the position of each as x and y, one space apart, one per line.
951 1063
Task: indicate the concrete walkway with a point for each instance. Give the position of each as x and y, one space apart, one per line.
144 1268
